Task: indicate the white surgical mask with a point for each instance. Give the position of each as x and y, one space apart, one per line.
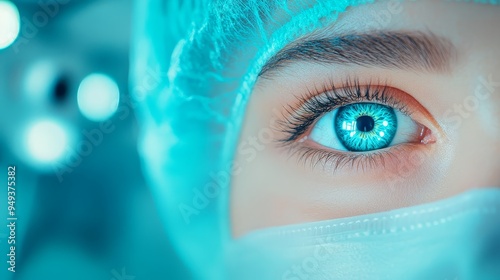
455 238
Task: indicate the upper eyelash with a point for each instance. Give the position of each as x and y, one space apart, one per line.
320 101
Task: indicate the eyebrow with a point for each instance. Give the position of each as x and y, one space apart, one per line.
401 50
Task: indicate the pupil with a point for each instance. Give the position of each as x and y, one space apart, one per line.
365 123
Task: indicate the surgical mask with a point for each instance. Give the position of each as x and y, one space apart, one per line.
455 238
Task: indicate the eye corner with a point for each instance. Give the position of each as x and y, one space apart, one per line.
427 136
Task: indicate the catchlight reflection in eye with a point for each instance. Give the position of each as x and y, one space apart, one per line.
46 141
9 23
98 97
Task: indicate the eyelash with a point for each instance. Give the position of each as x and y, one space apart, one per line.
320 101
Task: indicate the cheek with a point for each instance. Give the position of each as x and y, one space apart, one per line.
474 130
475 161
271 188
268 190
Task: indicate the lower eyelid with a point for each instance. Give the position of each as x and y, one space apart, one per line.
314 155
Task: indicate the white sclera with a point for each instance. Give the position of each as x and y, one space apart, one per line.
324 133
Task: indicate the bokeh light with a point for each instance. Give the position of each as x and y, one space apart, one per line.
9 23
46 141
38 79
98 97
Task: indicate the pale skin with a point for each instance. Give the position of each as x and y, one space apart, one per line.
275 188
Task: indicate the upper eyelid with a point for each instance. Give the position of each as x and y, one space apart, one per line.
295 124
415 50
353 89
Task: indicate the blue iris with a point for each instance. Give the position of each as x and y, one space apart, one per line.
362 127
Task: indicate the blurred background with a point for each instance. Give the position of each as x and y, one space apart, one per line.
68 125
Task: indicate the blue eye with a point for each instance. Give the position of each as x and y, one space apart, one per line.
363 127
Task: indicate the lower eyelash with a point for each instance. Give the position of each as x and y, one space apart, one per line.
355 161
